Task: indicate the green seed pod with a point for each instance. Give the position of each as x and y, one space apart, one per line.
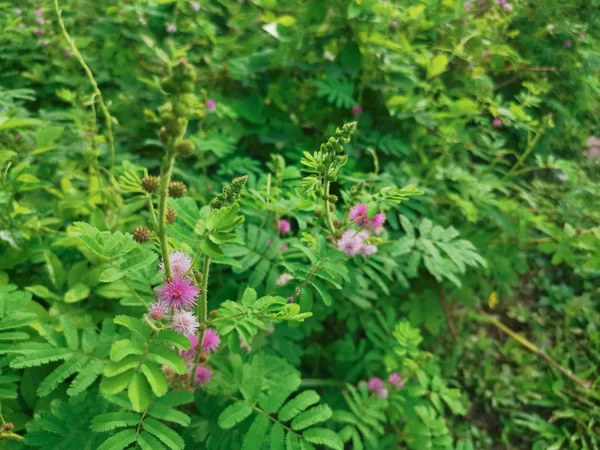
177 189
150 184
141 234
171 215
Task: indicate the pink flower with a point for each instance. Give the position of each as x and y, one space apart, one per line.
284 246
38 12
171 28
37 32
40 20
396 380
368 250
284 226
210 104
394 24
284 278
158 310
211 340
377 221
357 110
568 44
184 322
497 122
501 2
178 293
581 36
269 243
485 53
359 210
202 376
350 243
18 12
382 393
508 7
180 263
68 53
189 354
196 6
375 384
468 5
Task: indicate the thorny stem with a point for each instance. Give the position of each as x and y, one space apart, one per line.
534 349
193 263
166 170
90 75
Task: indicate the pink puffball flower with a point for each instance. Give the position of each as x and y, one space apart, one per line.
485 53
68 53
468 6
178 293
158 310
189 354
211 340
396 380
350 243
284 226
497 122
180 263
18 12
210 104
375 384
357 211
284 246
382 393
394 23
38 12
357 110
40 21
284 278
171 28
377 221
368 250
501 2
196 6
508 7
37 32
43 42
581 36
184 322
568 44
202 376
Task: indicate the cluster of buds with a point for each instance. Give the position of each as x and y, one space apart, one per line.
177 189
333 148
230 194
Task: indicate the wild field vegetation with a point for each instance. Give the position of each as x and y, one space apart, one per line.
296 224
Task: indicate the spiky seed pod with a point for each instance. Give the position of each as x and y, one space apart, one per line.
185 148
141 234
214 314
331 207
177 189
202 357
337 223
150 184
171 215
318 213
333 198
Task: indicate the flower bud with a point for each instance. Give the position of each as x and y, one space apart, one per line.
171 215
185 148
141 234
177 189
150 184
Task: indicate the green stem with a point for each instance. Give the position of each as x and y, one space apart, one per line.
316 382
165 178
90 75
527 152
233 316
326 211
196 256
202 308
152 213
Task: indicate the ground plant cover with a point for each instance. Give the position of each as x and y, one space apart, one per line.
299 224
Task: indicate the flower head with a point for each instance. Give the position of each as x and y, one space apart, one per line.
508 7
396 380
189 354
382 393
178 292
202 376
497 122
581 36
210 104
284 226
357 110
377 221
501 2
38 31
284 278
394 23
468 5
485 53
180 263
158 310
38 12
568 44
368 250
375 384
171 28
211 340
196 6
184 322
284 246
350 243
359 210
18 12
68 53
